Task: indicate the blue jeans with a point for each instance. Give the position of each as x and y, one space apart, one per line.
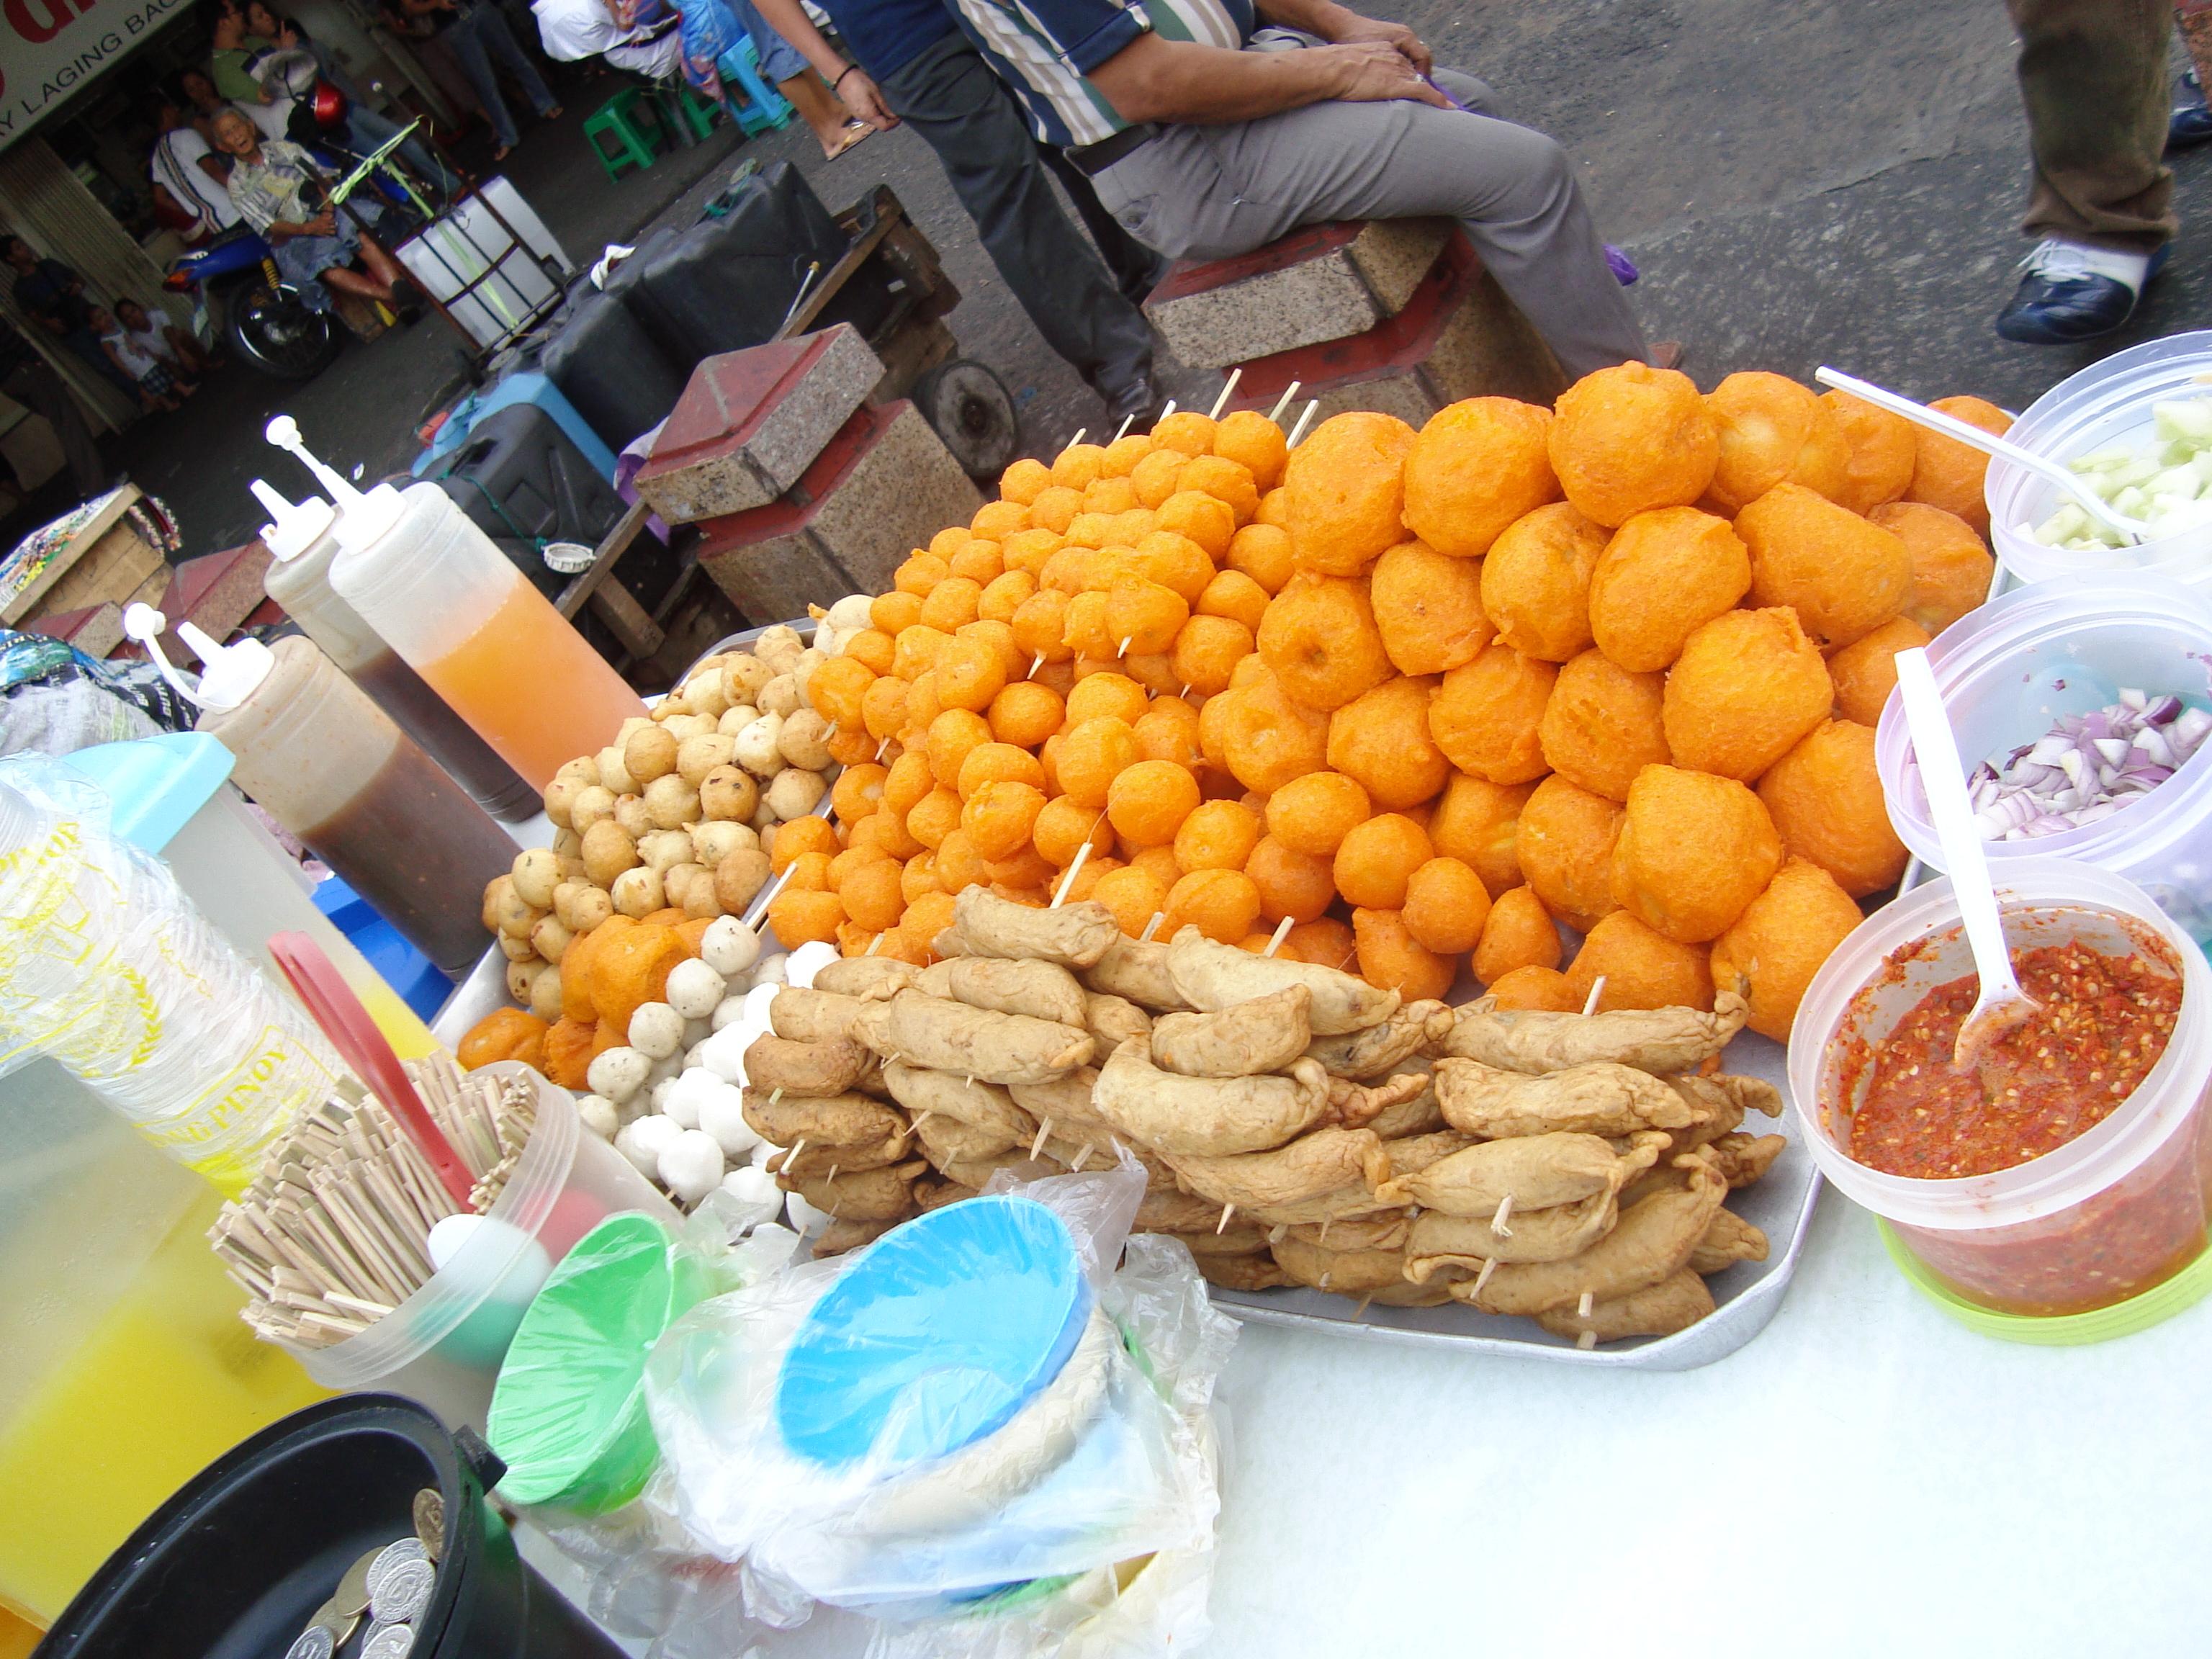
779 59
367 130
477 36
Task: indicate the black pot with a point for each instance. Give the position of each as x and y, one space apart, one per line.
234 1565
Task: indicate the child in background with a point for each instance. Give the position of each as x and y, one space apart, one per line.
157 387
162 338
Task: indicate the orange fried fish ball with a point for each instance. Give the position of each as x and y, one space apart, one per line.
1092 530
872 894
836 689
889 612
996 520
1274 509
1545 990
862 851
1251 672
1951 568
917 876
1078 465
1155 670
1055 509
1154 478
1028 549
907 781
1175 561
1218 835
971 672
1843 576
947 542
1536 581
1947 474
917 649
1473 469
1107 695
1641 968
951 737
1024 872
1233 594
925 919
1160 860
923 706
1392 959
1110 495
1446 905
1381 739
1769 956
960 862
800 837
1631 439
1186 432
1325 942
1826 801
921 573
979 562
1320 640
997 762
1429 608
851 744
1026 713
1262 551
805 916
1566 843
1084 631
1604 725
1267 739
1168 731
1225 480
1209 522
1004 594
1092 754
1207 651
998 816
932 817
1748 685
1222 904
886 830
1148 801
1024 480
1134 895
1774 431
1313 813
1123 454
1040 625
883 708
1486 716
1477 821
1144 617
1096 869
952 603
1663 575
857 792
1346 489
1064 826
878 650
1518 934
1693 850
1375 860
1883 453
1865 673
1254 442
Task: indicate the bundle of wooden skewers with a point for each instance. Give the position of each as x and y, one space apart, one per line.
334 1232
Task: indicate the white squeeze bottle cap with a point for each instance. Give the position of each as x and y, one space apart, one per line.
229 674
363 516
293 528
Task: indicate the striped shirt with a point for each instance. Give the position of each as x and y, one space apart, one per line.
1045 50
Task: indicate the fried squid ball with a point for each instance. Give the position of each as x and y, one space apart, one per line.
1446 906
1604 725
1566 844
1376 861
1429 608
1313 814
1883 453
1486 716
1843 576
1346 494
1392 959
1518 934
1536 579
1951 568
1169 730
1769 956
1693 850
1663 575
1476 821
1826 801
1947 474
1134 895
1631 439
1092 755
1266 739
1234 597
1748 685
1774 431
1262 551
1291 883
1320 640
1544 989
1865 673
1380 740
1642 968
1218 835
1474 468
1222 904
1254 442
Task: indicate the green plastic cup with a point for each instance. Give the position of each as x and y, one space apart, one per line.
2138 1313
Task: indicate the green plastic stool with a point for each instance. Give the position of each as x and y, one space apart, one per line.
699 114
634 145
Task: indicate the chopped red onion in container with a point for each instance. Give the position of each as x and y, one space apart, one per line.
2087 768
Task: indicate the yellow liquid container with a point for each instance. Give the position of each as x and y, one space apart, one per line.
126 1368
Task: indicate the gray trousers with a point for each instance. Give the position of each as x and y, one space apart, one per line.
963 111
1208 192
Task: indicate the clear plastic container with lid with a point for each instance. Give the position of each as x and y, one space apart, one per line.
2009 670
2099 1221
2107 403
300 541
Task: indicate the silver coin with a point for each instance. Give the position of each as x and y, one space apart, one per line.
388 1642
316 1642
404 1591
391 1555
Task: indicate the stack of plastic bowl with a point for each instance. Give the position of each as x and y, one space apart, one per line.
2104 1234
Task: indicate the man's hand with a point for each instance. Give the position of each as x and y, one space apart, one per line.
1397 36
325 223
863 101
1375 72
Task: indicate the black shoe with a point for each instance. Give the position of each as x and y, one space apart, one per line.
406 302
1140 403
2189 126
2061 300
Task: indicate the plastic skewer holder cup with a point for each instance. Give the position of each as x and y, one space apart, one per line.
2099 1237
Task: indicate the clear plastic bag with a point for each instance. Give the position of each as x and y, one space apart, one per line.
62 718
1022 1541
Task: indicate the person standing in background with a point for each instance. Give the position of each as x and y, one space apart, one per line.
2093 76
27 379
915 66
478 32
712 28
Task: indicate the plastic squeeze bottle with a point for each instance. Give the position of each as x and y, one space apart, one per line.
469 622
299 538
330 767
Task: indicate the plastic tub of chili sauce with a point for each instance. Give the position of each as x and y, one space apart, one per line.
2087 1233
2011 669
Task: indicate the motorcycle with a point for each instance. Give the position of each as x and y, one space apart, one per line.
267 325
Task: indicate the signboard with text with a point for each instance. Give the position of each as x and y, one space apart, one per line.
49 49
